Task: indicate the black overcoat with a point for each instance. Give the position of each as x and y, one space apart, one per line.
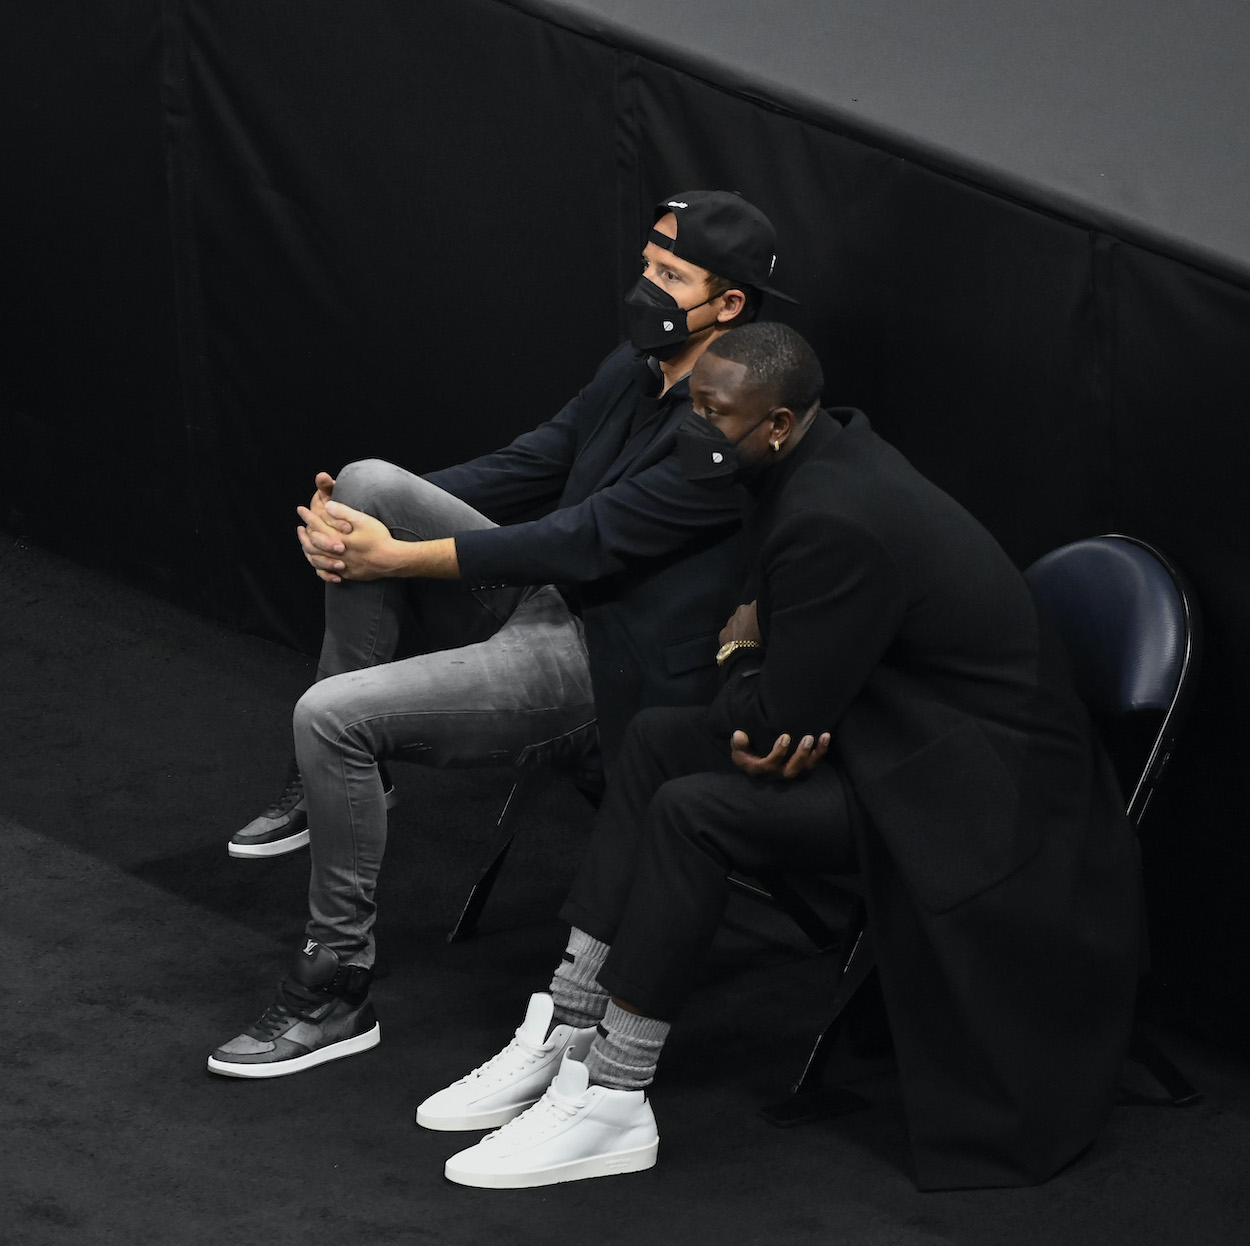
999 868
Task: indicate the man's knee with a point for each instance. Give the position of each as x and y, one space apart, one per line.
657 727
317 713
687 807
703 817
365 483
404 502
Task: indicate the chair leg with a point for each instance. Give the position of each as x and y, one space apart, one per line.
1143 1050
777 894
800 912
505 830
808 1100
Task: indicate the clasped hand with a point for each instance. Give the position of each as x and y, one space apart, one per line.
341 543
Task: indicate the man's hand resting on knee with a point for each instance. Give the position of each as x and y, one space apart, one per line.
320 535
345 544
776 765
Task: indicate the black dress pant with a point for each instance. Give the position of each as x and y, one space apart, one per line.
677 817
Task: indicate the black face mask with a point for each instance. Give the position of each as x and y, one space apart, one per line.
657 326
705 454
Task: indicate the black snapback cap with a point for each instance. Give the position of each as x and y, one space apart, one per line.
720 231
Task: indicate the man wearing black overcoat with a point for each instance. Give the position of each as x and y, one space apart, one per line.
962 775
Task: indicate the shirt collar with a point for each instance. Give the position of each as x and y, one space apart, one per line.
682 383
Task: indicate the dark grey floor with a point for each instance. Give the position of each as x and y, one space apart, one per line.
137 736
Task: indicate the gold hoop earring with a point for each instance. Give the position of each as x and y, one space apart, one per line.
776 445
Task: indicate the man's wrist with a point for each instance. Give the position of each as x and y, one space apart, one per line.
731 647
433 559
405 558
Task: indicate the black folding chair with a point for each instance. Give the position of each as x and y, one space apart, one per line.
521 794
1131 628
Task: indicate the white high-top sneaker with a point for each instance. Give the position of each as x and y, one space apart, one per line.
511 1081
574 1131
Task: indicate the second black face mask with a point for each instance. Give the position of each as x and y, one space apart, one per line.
705 454
657 326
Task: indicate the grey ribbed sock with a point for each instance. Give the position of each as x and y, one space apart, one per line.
626 1050
579 999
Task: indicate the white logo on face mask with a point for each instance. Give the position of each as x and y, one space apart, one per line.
717 457
668 326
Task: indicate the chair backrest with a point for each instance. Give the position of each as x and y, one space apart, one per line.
1131 629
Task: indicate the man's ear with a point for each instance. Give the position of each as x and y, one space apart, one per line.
784 422
733 301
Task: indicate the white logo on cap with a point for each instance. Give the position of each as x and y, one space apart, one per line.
717 457
772 264
676 203
668 326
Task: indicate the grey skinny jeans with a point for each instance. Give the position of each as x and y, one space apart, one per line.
502 679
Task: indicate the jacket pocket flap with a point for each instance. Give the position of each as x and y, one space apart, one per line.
688 655
950 816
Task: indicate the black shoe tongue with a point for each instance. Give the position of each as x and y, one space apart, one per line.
314 965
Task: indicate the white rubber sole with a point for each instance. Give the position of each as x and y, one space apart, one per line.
281 1068
636 1160
473 1120
275 847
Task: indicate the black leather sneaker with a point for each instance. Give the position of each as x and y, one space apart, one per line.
322 1012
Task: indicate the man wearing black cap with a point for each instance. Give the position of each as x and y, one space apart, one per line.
510 669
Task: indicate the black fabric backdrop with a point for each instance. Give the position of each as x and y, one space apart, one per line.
244 243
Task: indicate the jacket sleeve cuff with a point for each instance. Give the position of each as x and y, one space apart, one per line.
473 550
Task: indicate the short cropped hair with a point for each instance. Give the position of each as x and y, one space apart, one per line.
778 360
717 285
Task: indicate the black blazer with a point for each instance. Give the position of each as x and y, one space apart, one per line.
1000 870
650 561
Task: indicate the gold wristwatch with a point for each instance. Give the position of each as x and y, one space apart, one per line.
732 646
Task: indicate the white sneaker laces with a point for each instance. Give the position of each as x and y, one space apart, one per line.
505 1061
551 1110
